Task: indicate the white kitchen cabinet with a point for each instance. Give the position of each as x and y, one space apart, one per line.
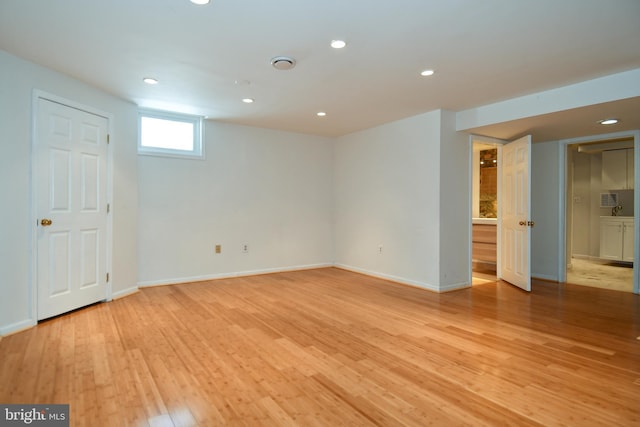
618 169
616 238
630 169
627 240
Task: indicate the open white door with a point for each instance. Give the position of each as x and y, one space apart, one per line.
515 213
71 208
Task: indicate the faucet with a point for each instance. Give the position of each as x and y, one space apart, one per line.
615 210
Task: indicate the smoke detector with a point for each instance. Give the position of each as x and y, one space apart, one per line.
283 63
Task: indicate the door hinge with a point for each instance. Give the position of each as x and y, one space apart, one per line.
107 277
108 138
108 207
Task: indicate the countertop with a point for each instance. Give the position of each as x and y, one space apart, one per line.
489 221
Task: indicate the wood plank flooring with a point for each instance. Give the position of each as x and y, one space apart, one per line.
329 347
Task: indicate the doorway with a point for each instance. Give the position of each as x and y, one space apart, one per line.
484 212
513 214
601 207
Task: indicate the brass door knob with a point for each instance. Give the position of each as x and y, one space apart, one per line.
45 222
522 223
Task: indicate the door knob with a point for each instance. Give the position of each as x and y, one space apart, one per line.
522 223
45 222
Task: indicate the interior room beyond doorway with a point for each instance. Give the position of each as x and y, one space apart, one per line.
600 214
484 212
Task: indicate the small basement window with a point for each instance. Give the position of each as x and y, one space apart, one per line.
169 134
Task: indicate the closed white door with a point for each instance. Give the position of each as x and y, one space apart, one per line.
71 208
515 213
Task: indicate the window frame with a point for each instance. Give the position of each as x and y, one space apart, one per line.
198 135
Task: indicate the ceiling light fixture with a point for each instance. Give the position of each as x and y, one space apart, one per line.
200 2
248 100
426 73
150 81
609 121
321 114
338 44
283 63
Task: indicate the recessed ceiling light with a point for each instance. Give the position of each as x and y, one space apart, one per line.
321 114
150 81
200 2
609 121
338 44
427 73
248 100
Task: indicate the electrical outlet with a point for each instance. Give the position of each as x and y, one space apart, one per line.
245 248
218 249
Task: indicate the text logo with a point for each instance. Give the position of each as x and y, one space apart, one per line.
34 415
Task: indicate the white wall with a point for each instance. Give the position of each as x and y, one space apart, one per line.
18 79
455 224
545 182
268 189
581 198
387 190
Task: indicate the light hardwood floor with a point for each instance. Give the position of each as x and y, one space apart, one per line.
329 347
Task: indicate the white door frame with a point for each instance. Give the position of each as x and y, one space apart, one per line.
562 224
33 279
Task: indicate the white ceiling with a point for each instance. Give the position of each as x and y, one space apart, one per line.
483 52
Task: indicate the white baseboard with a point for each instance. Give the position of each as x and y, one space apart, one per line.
26 324
124 292
178 280
392 278
580 256
17 327
547 277
454 287
402 280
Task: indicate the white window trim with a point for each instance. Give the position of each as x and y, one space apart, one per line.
198 137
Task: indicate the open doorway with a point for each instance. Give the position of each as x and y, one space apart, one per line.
600 213
484 212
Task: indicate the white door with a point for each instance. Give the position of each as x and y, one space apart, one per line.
515 213
71 208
